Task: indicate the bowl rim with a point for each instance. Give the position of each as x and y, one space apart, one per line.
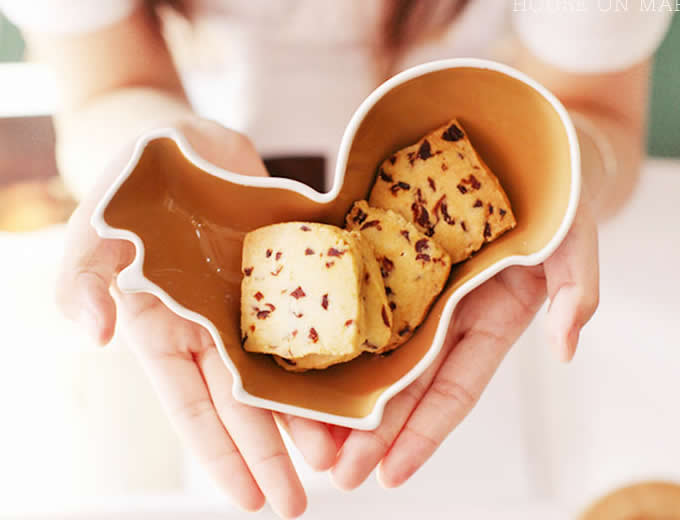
131 279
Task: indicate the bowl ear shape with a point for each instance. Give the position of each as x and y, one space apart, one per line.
167 194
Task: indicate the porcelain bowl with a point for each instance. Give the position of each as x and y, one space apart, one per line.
187 219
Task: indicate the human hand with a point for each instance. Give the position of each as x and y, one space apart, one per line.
239 445
484 326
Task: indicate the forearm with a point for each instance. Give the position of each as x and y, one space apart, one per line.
611 158
89 136
113 84
609 112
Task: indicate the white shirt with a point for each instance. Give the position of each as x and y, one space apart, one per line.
290 73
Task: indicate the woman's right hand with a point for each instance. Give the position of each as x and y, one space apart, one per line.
239 445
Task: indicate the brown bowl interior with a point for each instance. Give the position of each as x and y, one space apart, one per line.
168 202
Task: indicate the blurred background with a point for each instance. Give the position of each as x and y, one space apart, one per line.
83 436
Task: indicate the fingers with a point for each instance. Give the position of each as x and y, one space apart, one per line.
451 396
487 323
257 437
87 269
572 278
181 387
223 147
312 438
166 354
363 450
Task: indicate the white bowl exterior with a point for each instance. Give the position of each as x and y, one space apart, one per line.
132 279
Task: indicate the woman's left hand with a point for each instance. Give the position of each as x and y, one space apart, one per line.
484 326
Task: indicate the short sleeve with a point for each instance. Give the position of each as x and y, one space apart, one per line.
591 36
65 16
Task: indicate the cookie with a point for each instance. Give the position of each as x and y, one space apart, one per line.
443 187
312 362
306 291
413 267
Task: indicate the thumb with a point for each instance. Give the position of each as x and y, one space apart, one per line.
572 278
89 265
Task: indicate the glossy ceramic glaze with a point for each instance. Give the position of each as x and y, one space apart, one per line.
187 219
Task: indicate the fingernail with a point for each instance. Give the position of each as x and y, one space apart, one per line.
571 343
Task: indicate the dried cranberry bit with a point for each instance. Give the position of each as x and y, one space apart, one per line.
405 234
271 306
298 293
430 181
278 270
386 267
367 277
393 159
359 217
462 189
268 253
444 167
248 271
385 318
305 228
399 186
445 213
452 133
294 333
370 224
348 323
423 256
487 230
502 213
388 290
404 331
252 328
423 243
298 314
385 176
462 224
329 265
461 156
473 182
263 315
313 335
490 209
309 251
335 252
477 204
423 217
258 296
324 301
393 305
425 151
419 197
278 255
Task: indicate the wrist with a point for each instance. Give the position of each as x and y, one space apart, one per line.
598 160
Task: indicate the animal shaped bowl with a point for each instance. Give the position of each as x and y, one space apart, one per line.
187 219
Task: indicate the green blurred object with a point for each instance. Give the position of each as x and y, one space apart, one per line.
11 44
664 109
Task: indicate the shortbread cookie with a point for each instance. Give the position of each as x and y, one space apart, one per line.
414 268
443 187
306 290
